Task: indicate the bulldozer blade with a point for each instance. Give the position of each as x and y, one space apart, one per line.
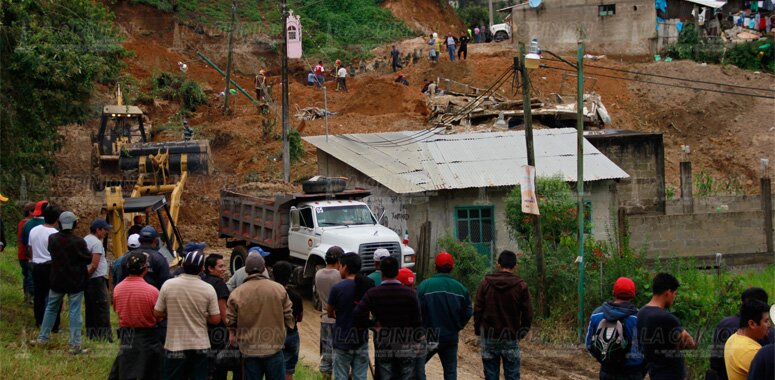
196 152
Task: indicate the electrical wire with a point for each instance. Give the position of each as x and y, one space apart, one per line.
560 59
666 84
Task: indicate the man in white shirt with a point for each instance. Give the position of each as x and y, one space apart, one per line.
341 77
41 262
96 295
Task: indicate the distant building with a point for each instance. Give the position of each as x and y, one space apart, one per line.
459 182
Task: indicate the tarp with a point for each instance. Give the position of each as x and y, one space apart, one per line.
709 3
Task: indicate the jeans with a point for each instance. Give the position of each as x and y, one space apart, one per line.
187 364
462 51
27 284
291 351
326 350
388 367
97 313
52 312
40 276
320 80
342 82
495 350
270 367
421 352
451 50
356 359
448 357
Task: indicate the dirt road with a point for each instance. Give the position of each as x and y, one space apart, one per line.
539 361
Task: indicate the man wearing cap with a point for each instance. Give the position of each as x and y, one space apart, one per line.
325 279
69 258
407 278
140 353
188 304
240 275
396 312
23 255
502 317
446 309
622 310
96 295
118 270
257 315
158 267
379 254
41 259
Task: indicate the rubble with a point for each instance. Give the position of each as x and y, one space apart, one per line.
312 113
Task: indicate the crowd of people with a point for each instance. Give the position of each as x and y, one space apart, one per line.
193 324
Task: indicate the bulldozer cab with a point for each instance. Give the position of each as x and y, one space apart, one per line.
119 212
119 126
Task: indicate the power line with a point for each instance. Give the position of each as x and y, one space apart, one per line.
662 76
666 84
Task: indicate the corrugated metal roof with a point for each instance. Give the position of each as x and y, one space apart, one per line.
465 160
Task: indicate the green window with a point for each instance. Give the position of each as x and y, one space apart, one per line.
476 224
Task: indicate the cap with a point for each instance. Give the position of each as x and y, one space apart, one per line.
67 219
100 223
254 264
405 276
3 198
194 246
136 260
260 251
445 259
380 254
39 208
624 288
148 232
133 241
194 259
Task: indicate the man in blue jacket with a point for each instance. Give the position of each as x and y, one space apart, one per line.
617 351
446 309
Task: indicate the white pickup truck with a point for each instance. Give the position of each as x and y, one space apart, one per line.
501 32
301 227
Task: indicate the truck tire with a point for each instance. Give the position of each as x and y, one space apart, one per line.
238 256
501 36
324 185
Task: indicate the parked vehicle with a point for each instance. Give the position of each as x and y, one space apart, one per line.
501 32
301 227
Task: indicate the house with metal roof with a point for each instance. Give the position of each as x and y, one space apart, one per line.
459 182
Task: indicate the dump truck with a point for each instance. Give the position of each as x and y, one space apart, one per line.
301 227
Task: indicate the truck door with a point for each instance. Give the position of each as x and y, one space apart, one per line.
301 239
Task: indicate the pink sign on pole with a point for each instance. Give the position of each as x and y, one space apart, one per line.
294 36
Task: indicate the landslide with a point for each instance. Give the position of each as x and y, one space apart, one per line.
427 16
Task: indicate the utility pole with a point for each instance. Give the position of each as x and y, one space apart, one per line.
537 236
491 19
580 180
228 60
286 146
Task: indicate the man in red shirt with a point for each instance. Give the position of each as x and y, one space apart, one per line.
23 256
140 355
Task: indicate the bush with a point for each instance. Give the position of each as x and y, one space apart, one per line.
477 15
470 265
177 87
296 148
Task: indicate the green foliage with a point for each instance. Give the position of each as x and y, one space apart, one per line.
752 55
296 147
708 186
470 266
175 86
52 53
477 15
669 193
558 207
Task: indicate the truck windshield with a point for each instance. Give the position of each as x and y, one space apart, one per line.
344 215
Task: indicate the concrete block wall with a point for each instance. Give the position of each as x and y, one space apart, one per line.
697 234
556 24
733 203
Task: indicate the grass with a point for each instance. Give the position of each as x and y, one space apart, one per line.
17 327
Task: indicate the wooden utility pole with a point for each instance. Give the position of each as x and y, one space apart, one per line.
537 236
491 16
286 146
228 59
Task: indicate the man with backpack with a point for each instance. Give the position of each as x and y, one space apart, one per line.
612 335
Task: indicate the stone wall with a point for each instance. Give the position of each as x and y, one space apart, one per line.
731 203
698 234
556 24
642 156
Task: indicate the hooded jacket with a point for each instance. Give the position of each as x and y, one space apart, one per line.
503 309
627 313
69 258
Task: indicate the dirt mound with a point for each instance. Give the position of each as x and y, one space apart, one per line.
427 16
386 97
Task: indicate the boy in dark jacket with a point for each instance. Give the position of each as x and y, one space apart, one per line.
69 258
620 309
502 317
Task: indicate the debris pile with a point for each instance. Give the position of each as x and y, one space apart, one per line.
312 113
